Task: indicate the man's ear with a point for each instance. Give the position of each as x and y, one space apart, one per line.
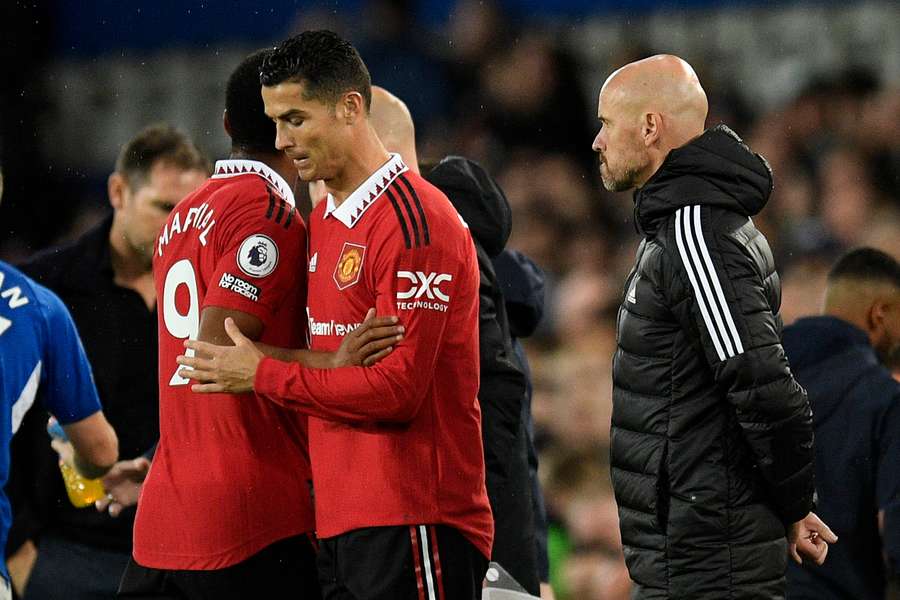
117 189
651 126
351 107
877 313
226 122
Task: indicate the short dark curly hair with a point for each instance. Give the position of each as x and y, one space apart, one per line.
325 63
251 129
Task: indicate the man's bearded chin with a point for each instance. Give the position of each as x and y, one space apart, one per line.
620 184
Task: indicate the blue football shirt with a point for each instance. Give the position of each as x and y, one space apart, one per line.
39 351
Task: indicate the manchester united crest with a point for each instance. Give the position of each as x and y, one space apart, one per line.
346 273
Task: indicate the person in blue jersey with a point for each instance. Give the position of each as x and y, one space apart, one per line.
42 359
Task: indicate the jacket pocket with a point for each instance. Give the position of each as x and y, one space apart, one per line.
662 489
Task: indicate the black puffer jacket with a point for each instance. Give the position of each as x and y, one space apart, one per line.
711 437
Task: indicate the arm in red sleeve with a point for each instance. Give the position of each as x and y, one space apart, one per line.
393 389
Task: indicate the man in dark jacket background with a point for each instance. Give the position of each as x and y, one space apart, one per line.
483 206
711 442
838 357
105 279
502 392
522 284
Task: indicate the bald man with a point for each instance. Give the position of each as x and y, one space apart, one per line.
839 358
712 458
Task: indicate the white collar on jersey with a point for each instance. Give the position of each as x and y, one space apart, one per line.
239 166
366 194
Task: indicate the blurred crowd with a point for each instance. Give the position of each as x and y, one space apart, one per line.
518 101
514 102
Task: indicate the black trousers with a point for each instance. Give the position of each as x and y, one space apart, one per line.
406 562
285 569
68 570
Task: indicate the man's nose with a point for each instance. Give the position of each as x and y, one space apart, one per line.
282 141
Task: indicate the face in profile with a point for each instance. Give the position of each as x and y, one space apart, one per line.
145 205
887 345
618 144
307 129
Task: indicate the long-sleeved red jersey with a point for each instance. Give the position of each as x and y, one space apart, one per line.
231 472
400 442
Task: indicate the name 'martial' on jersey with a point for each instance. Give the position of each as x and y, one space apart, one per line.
198 218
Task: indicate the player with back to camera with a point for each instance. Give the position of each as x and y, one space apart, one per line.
226 510
401 506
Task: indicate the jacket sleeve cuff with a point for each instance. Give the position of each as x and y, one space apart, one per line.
796 511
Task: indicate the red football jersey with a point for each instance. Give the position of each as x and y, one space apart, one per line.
400 442
231 472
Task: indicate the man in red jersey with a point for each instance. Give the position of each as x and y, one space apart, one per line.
226 510
401 506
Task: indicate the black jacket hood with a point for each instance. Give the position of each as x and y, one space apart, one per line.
715 169
477 198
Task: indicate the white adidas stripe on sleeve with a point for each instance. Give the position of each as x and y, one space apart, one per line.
705 282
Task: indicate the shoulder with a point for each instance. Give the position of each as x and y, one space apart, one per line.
11 277
423 217
52 265
882 386
45 306
257 199
700 233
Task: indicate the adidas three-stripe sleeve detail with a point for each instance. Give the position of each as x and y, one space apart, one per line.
707 288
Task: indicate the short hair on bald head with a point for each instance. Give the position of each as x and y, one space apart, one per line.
158 143
866 264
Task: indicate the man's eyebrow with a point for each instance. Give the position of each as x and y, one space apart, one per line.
294 112
163 203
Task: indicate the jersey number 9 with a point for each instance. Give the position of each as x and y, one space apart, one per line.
181 326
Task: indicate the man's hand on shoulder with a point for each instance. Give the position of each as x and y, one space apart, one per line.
222 369
372 341
809 539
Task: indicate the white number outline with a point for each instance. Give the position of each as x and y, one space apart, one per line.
181 326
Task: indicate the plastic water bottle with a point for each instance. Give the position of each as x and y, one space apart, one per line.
82 492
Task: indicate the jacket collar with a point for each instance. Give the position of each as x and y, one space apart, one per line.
715 169
363 197
834 332
233 167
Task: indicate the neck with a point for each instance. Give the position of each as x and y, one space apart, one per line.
656 161
659 155
367 154
130 269
277 161
127 263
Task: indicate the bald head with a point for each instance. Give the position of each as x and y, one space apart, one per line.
662 84
650 106
394 125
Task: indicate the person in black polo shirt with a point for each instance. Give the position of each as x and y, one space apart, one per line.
839 358
105 279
